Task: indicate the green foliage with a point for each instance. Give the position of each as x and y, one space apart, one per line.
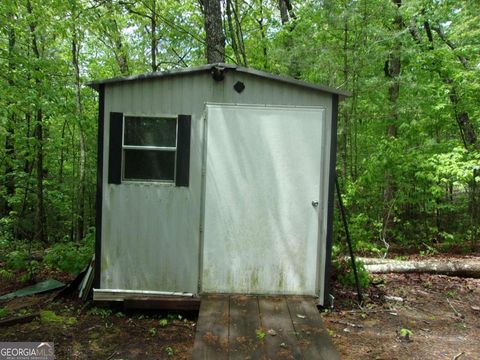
70 257
346 275
163 322
18 260
48 316
452 293
6 274
102 312
429 162
173 316
429 251
169 351
405 333
260 334
4 312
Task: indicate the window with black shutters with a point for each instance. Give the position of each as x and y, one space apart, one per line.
149 148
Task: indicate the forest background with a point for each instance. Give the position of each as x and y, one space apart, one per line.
408 137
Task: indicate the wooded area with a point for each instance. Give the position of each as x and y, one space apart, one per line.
408 142
408 165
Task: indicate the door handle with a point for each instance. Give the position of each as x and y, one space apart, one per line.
315 203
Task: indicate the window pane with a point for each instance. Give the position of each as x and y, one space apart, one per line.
149 165
149 131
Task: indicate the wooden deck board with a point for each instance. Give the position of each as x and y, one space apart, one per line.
275 316
211 339
227 329
313 336
244 322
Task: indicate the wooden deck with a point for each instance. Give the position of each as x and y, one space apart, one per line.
261 327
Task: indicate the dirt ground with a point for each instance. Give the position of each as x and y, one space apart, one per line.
83 331
110 336
409 316
404 317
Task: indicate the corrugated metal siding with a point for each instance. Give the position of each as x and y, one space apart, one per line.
150 231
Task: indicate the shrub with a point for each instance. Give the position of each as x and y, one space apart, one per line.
69 256
17 260
6 274
346 275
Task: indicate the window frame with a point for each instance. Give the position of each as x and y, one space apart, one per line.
150 148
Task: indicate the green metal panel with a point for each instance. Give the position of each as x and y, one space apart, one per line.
41 287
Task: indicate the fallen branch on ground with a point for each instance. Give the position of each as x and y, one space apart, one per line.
18 319
347 323
460 268
455 310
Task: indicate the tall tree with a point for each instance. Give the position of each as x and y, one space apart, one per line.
261 22
235 30
10 123
392 73
286 11
215 38
343 141
41 217
75 60
150 11
111 34
408 136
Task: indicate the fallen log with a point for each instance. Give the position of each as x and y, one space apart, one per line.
18 319
460 268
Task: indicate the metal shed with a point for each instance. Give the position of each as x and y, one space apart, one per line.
214 179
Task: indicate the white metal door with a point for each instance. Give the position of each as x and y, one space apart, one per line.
260 219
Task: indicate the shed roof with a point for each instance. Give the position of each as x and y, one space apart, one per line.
227 67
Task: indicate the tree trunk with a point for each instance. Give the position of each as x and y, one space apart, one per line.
282 6
468 132
263 36
115 38
120 55
345 129
286 14
153 38
474 208
236 33
81 188
10 127
82 156
392 73
41 218
62 153
215 39
286 11
239 32
460 268
467 129
232 32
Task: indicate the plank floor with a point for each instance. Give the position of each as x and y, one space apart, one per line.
261 327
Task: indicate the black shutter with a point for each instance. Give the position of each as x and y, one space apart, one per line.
115 148
183 150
